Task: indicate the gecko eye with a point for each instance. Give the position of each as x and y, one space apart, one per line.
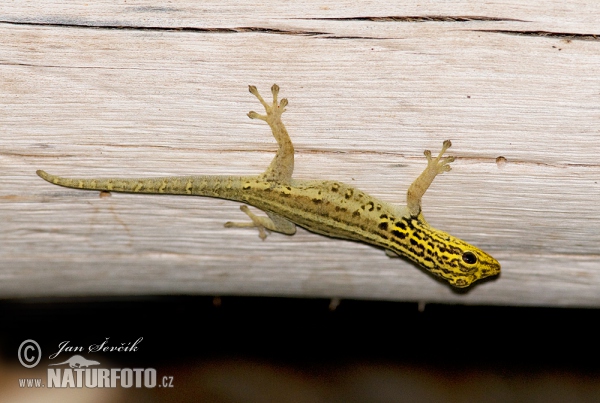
469 258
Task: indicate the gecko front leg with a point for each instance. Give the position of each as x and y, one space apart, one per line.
435 166
280 170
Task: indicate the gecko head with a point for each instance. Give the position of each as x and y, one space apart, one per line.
475 265
454 260
460 263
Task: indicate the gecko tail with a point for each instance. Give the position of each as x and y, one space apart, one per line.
225 187
168 185
44 175
56 180
67 182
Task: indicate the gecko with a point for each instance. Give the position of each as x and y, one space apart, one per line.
330 208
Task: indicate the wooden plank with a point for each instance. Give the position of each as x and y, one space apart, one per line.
366 97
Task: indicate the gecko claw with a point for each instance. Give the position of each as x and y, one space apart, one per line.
254 115
262 233
275 91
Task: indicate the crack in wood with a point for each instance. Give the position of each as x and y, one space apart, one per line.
544 34
56 66
169 29
417 18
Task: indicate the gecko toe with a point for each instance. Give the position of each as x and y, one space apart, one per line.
254 115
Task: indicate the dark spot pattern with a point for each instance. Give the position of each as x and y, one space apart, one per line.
398 234
401 225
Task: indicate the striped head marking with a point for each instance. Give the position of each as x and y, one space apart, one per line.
460 263
443 255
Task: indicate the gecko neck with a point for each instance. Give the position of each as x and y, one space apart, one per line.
413 237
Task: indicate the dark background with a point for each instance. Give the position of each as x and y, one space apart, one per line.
237 349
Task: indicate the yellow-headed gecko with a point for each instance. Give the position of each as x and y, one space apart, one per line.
326 207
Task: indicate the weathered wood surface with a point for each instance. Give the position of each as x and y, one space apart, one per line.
104 89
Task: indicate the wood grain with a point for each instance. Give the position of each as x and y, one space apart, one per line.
116 89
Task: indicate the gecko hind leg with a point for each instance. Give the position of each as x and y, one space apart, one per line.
435 166
273 222
282 166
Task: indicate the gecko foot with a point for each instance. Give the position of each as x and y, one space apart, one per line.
440 164
256 222
274 111
265 224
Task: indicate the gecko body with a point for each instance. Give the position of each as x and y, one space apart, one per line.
329 208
